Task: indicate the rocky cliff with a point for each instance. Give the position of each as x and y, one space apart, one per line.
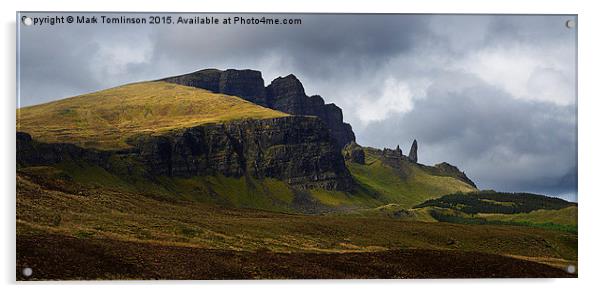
295 149
354 153
284 94
247 84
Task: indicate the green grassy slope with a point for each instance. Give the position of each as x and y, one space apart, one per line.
498 208
378 184
407 186
489 201
243 192
105 119
565 216
130 216
560 220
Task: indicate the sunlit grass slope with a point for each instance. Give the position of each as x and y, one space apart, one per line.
105 119
49 206
243 192
407 186
565 216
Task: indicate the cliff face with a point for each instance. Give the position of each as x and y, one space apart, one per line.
354 153
297 150
247 84
33 153
284 94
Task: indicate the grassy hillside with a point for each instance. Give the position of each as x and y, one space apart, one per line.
560 220
406 186
498 208
377 184
565 216
243 192
132 217
105 119
394 211
489 201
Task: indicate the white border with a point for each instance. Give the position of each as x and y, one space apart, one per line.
590 147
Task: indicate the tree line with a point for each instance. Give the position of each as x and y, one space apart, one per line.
489 201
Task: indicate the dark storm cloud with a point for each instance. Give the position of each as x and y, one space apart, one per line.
60 61
56 70
491 94
322 50
502 143
374 37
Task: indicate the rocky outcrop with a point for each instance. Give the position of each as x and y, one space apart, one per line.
354 153
395 154
33 153
295 149
451 170
413 156
247 84
392 157
285 94
395 158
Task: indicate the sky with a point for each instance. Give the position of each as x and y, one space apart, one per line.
494 95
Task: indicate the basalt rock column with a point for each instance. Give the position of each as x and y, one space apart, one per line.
413 156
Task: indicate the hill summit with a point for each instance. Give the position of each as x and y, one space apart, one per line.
107 118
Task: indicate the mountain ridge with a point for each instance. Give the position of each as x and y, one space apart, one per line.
157 131
285 94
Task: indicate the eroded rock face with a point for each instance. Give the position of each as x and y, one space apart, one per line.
393 155
33 153
247 84
295 149
413 156
449 169
208 79
354 153
285 94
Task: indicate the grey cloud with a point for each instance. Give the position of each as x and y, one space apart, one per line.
502 143
323 48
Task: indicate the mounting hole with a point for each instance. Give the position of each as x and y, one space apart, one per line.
570 23
27 21
27 272
571 269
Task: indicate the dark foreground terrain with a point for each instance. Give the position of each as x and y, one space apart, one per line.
64 257
111 234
